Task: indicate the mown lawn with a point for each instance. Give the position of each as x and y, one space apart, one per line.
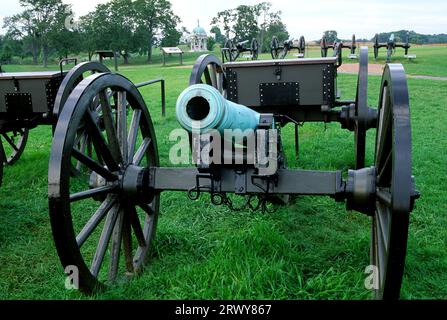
311 249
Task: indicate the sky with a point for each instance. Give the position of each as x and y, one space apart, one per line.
306 17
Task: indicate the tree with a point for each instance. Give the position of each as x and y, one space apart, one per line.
277 29
9 48
210 44
40 20
63 39
331 36
246 22
170 37
218 36
268 19
21 27
154 17
112 26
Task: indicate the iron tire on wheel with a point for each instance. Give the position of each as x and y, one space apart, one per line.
394 185
16 142
208 69
130 218
71 80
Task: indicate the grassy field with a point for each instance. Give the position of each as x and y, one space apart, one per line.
311 249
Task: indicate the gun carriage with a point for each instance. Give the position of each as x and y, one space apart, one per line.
390 46
112 208
325 45
232 51
278 52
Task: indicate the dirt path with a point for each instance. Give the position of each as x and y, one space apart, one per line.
373 68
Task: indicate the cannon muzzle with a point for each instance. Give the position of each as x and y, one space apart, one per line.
201 107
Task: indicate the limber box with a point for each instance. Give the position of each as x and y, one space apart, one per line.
282 83
26 94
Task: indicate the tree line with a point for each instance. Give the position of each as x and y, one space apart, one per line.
414 37
47 27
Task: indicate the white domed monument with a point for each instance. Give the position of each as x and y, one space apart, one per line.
198 39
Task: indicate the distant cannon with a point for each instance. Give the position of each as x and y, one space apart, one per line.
351 46
278 52
231 51
391 46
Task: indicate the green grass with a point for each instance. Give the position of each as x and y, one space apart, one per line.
311 249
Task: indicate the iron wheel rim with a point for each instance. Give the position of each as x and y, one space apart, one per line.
393 183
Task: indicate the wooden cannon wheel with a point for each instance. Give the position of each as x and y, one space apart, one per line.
13 144
230 53
254 49
394 185
90 212
274 47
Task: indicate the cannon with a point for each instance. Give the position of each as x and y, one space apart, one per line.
232 51
111 210
278 52
30 99
390 46
352 46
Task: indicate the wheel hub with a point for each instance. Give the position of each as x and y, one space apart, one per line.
361 190
135 184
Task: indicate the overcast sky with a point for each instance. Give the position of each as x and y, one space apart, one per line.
308 17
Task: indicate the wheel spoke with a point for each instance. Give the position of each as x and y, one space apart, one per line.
214 76
104 240
116 246
136 225
95 219
100 143
381 252
122 124
384 167
110 126
2 152
10 142
147 208
207 75
383 219
82 148
93 165
92 192
127 244
133 133
141 151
